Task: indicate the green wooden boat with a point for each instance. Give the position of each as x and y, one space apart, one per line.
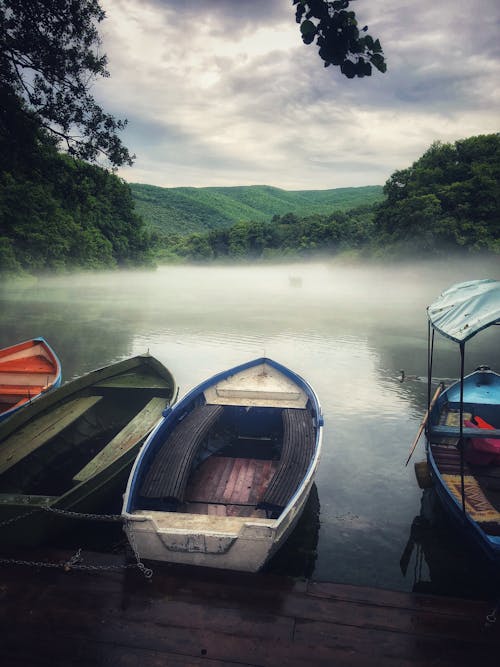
72 449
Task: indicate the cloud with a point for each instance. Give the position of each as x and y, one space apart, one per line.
225 93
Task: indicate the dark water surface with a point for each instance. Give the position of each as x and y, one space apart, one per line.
349 331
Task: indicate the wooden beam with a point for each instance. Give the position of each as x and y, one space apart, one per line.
42 429
130 435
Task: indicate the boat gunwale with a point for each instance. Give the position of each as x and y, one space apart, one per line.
191 397
79 383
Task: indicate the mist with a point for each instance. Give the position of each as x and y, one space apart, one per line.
348 329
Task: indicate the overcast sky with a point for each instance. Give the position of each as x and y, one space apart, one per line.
224 92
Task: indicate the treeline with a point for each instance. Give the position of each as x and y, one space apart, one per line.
59 213
285 236
448 201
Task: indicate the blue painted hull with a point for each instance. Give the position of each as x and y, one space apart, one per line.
481 397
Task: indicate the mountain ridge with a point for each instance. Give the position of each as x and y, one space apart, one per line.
185 210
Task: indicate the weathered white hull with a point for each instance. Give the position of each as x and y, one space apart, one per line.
229 543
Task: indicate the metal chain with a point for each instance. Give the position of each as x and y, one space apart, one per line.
82 515
68 513
146 571
13 519
491 618
75 562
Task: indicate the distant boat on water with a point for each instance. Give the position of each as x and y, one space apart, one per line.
27 371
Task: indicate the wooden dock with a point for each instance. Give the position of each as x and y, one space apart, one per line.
196 617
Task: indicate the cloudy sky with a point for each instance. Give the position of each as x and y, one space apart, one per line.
224 92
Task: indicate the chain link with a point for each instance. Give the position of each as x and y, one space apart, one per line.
13 519
146 571
82 515
76 561
491 618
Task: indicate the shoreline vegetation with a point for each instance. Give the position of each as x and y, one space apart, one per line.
60 214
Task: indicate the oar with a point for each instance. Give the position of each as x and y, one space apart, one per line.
423 423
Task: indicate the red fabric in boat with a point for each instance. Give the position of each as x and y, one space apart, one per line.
482 451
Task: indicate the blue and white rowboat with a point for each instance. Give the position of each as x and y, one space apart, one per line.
225 475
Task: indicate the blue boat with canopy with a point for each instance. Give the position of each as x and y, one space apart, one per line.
463 425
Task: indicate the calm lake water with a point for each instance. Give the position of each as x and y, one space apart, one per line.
349 331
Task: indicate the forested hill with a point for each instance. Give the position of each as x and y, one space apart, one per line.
186 210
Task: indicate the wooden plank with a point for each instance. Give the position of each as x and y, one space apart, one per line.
20 389
34 364
224 478
128 437
227 480
39 431
238 494
231 483
168 473
296 455
189 616
135 380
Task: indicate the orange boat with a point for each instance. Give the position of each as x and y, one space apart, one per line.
27 370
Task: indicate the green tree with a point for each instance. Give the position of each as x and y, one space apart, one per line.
49 58
58 213
448 198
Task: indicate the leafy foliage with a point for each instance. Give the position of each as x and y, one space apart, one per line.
58 213
187 210
449 198
338 38
285 236
49 57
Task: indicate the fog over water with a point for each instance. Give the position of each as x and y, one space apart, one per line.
348 330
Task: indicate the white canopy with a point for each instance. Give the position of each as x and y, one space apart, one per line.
465 309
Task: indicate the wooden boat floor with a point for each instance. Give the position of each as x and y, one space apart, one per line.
447 457
226 486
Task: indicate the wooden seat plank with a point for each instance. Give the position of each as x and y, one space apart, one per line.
168 473
35 364
39 431
296 456
135 430
134 380
20 390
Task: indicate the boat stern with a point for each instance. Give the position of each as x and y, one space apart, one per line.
230 543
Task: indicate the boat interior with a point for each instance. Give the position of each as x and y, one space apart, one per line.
24 374
229 460
65 446
481 470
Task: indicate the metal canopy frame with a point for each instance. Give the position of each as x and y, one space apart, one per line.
461 312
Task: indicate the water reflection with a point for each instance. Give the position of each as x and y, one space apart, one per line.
297 557
348 330
436 560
